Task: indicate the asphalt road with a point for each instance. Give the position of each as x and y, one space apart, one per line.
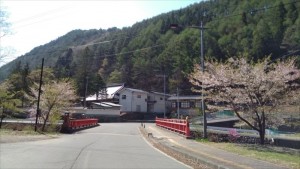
111 145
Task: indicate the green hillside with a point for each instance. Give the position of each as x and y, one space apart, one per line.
136 55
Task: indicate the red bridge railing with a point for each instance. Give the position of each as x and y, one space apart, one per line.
177 125
82 123
70 125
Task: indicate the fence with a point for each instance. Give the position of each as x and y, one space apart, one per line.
82 123
70 125
177 125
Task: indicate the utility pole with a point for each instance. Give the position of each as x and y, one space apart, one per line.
38 111
177 103
85 93
202 91
175 26
164 95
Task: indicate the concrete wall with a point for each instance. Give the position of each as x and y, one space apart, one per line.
111 112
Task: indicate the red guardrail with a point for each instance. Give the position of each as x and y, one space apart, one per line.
177 125
70 125
82 123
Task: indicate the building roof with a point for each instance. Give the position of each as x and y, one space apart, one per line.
107 104
159 93
185 98
134 90
111 104
109 94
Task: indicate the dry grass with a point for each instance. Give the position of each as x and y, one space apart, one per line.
278 155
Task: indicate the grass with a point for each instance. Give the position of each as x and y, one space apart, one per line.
296 135
278 155
24 131
17 132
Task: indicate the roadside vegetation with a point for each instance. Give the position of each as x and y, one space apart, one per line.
255 92
278 155
20 133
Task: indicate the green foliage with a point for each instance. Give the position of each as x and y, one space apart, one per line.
88 80
8 103
56 97
136 55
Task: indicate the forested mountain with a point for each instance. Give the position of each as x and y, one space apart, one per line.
137 55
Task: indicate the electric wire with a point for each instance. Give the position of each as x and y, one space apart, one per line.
252 11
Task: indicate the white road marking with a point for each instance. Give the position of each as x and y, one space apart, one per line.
165 153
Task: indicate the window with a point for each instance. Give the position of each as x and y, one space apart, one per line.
198 104
185 104
123 96
139 96
173 104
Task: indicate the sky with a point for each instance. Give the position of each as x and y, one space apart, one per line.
34 23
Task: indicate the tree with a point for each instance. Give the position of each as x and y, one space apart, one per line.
5 30
19 82
63 66
253 91
5 25
56 97
8 103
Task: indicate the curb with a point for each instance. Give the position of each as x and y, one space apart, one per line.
180 155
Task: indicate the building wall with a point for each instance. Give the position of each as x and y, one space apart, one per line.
186 107
133 101
159 104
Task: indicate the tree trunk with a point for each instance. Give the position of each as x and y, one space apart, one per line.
2 117
262 137
45 121
262 127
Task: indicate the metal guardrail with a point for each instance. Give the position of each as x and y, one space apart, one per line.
177 125
244 132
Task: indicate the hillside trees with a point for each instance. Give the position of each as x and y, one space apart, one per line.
64 67
8 103
19 82
252 28
252 90
87 79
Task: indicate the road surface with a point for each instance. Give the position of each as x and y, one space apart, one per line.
111 145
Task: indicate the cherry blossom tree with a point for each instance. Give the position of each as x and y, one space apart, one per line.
55 98
252 90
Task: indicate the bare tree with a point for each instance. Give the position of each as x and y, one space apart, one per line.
56 97
253 91
5 29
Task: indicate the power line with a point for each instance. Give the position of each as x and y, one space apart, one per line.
158 45
142 49
41 14
253 11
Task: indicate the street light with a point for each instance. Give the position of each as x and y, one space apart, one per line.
174 26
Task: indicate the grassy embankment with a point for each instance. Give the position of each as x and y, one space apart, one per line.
278 155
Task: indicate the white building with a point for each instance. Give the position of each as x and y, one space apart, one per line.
132 100
158 103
